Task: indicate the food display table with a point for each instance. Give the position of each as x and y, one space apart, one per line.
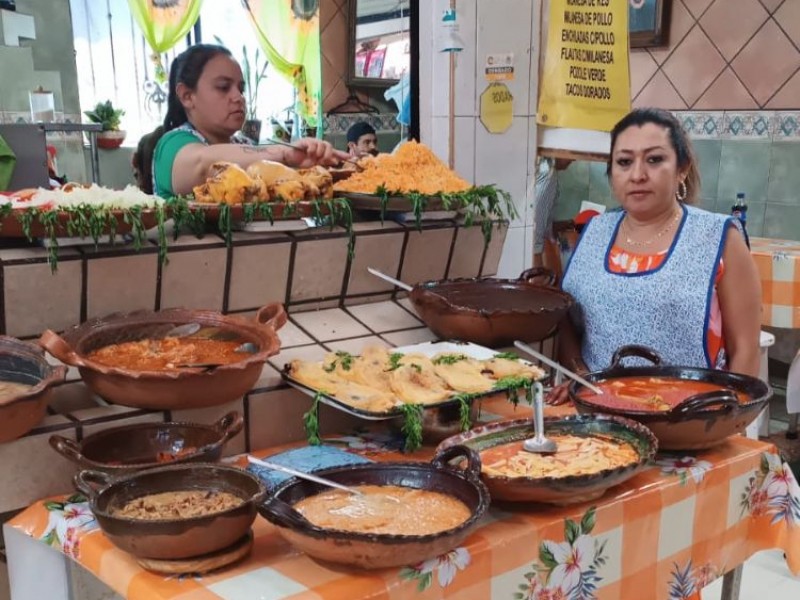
664 534
778 263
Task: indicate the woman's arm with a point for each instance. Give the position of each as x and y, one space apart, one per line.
739 293
191 164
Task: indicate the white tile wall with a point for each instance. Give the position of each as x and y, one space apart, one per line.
507 159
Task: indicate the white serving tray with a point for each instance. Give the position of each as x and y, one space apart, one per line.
428 349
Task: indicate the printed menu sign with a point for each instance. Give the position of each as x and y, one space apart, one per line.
585 82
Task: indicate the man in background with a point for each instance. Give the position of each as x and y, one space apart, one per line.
362 140
545 197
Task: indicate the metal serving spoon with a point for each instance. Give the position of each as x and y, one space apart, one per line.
539 444
301 475
197 330
246 348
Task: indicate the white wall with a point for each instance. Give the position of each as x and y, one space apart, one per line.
507 159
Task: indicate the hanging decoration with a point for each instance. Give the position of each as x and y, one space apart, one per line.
164 23
288 31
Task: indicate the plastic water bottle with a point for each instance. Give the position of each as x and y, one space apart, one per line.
739 210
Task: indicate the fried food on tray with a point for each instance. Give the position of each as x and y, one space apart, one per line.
379 380
412 168
263 181
461 373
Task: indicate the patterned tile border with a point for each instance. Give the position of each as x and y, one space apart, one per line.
340 123
744 125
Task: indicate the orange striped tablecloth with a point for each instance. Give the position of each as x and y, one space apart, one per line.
778 263
665 534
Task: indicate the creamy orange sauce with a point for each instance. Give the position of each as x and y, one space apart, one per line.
575 456
168 353
649 393
384 509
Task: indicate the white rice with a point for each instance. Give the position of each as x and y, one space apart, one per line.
94 195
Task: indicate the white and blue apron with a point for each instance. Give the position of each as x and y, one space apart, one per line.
666 308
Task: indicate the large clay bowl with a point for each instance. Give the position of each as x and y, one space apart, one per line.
377 551
697 423
167 390
141 446
492 312
21 362
175 538
558 490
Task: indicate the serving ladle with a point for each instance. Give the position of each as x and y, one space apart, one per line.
192 329
539 444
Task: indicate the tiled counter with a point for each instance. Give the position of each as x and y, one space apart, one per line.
333 304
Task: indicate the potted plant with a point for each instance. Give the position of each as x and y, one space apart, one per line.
253 73
109 117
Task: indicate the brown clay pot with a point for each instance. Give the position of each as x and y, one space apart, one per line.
377 551
167 390
697 423
492 312
175 538
136 447
22 362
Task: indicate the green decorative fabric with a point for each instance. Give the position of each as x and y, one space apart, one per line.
163 24
8 160
288 31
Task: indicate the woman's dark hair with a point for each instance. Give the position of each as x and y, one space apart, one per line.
142 160
678 139
186 69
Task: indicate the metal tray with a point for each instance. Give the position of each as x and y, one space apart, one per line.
426 348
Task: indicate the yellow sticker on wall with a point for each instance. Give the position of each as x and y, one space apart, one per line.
497 108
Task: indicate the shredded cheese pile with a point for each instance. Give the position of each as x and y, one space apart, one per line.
412 168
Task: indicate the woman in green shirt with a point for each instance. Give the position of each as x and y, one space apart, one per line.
205 111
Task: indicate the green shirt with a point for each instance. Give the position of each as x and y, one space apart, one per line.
164 155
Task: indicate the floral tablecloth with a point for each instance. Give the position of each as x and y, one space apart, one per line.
663 535
778 263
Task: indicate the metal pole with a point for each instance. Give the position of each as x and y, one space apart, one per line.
94 157
731 584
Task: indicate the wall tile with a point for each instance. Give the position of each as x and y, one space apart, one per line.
319 267
28 311
744 167
599 188
277 418
497 33
409 337
782 221
384 316
357 345
314 352
463 143
381 252
427 254
331 324
467 253
784 178
110 287
259 275
292 335
708 154
729 29
515 251
468 73
660 92
786 97
32 470
728 91
211 415
358 300
681 22
693 66
502 159
492 258
642 67
788 17
194 279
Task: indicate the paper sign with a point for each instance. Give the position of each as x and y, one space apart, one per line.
497 108
585 82
500 67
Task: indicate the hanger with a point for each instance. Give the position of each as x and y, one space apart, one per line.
354 102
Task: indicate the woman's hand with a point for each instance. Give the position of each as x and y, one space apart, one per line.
558 395
311 152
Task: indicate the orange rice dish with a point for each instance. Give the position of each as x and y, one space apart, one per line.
412 168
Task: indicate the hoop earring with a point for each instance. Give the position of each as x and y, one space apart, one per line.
682 192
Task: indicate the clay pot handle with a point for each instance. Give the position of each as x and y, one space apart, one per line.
473 470
67 448
58 347
273 315
634 350
724 399
528 274
91 483
282 514
230 426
